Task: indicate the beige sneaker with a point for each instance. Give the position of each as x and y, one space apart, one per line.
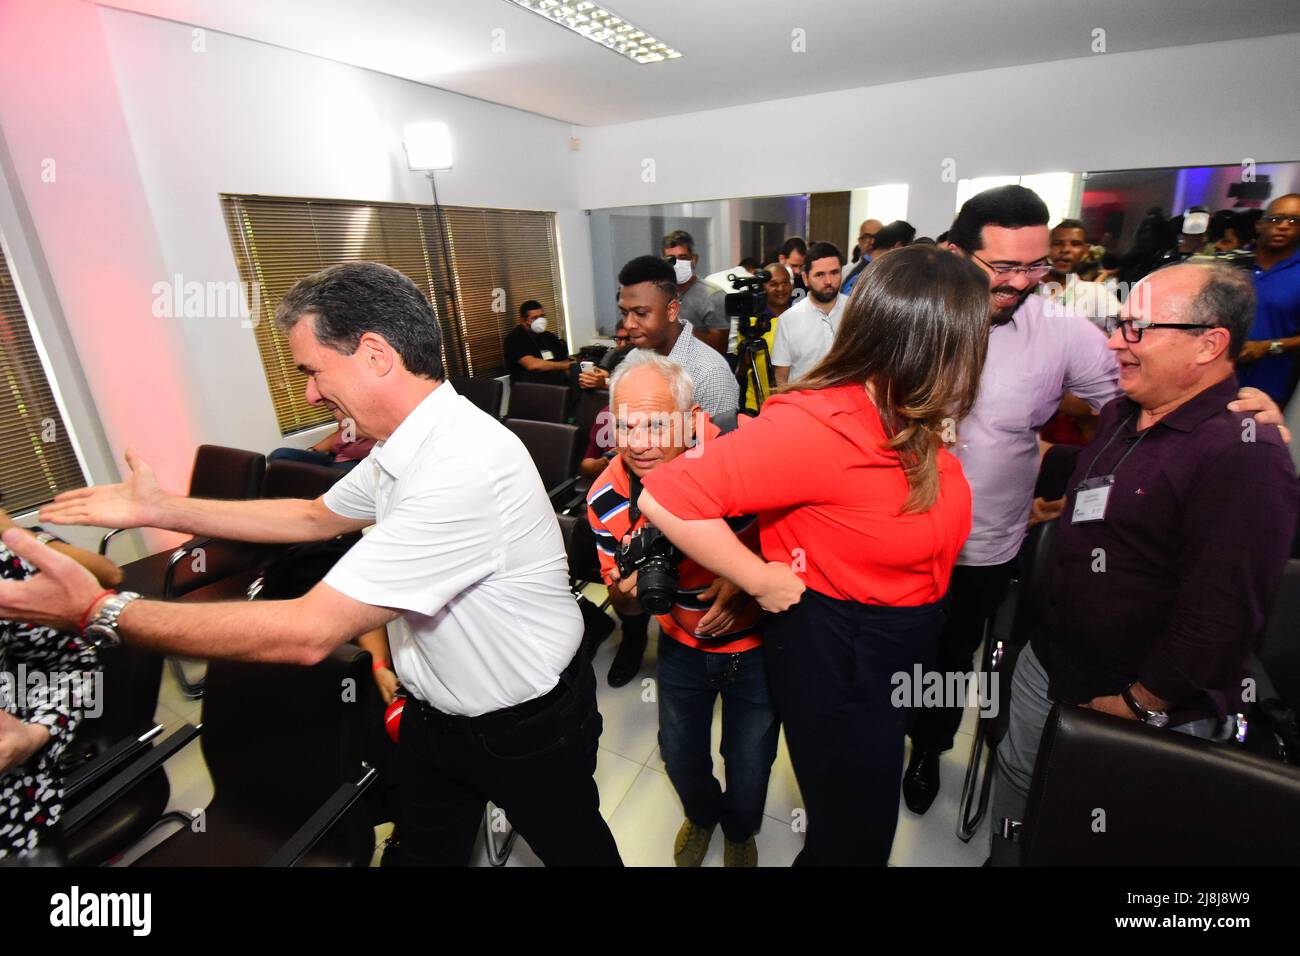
692 844
740 854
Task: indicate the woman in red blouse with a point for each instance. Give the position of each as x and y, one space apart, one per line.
861 514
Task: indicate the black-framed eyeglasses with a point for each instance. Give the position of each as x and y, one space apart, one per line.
1035 271
1132 329
1278 220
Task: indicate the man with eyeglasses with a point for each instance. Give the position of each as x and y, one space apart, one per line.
1268 359
598 375
1179 518
896 235
866 240
1033 359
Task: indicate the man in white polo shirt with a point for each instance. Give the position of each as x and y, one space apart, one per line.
808 328
465 565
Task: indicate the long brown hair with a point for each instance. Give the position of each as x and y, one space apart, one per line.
916 328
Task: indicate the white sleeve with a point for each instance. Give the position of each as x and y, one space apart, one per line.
440 540
353 495
1091 372
783 343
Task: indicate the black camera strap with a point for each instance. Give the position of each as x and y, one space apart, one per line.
634 485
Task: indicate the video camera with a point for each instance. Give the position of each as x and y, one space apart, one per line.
652 557
748 302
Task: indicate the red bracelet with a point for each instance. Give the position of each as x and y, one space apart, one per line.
85 618
374 667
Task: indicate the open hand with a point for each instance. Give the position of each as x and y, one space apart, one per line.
133 503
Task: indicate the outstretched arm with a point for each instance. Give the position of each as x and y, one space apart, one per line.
302 631
138 502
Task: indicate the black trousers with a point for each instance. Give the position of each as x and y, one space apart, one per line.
830 665
974 594
536 765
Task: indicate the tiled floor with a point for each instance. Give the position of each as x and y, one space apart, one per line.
637 798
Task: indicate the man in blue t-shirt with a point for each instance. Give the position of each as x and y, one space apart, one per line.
1268 359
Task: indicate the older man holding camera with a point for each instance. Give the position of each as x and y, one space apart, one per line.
709 643
1179 519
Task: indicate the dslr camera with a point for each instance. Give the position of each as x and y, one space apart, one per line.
653 558
747 302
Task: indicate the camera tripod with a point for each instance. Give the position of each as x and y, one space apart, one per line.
747 351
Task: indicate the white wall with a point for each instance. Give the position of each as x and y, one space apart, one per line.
148 131
1154 108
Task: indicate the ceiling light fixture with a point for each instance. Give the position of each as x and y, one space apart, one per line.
590 20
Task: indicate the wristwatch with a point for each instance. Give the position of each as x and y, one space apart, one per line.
1154 718
1275 348
102 629
44 537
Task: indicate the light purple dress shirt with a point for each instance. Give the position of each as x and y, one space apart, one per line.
1033 360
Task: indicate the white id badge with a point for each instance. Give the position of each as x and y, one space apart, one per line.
1090 499
548 354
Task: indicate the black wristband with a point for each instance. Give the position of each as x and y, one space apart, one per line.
1139 711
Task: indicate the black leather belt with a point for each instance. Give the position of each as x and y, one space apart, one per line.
508 717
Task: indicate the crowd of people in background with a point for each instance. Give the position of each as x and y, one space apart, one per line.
1016 335
804 521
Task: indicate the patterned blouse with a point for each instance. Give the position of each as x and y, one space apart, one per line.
45 678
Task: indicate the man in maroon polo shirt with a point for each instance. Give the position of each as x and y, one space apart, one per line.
1178 521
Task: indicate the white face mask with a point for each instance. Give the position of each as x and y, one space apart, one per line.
683 269
538 325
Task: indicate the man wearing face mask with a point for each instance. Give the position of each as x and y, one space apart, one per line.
703 306
534 354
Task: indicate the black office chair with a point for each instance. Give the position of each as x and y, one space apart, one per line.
283 744
96 832
229 474
591 402
554 449
1113 792
223 473
538 403
486 393
1278 648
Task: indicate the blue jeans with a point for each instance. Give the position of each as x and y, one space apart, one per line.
689 683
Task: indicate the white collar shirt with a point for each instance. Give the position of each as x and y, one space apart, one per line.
467 546
805 334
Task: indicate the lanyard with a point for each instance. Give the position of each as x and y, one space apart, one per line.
1124 424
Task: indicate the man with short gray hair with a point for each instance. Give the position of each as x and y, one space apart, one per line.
1179 518
709 643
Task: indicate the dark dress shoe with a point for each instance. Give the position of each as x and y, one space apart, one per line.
921 781
627 660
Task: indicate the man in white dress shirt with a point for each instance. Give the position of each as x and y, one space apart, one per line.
808 328
465 565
